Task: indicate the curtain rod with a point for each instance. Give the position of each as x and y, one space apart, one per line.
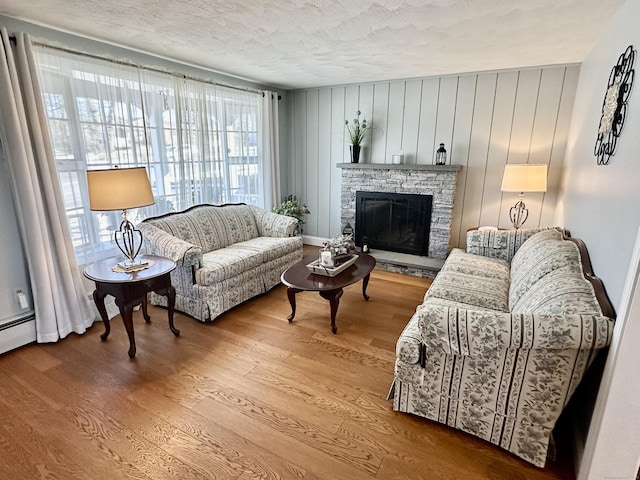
153 69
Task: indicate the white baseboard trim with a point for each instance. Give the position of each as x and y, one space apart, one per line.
310 240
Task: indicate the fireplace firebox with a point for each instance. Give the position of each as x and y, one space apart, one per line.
396 222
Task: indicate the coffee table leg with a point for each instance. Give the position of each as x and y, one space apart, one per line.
291 295
334 300
365 282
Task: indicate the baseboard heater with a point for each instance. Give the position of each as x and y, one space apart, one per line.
18 332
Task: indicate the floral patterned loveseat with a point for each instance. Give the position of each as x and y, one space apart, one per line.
504 335
225 254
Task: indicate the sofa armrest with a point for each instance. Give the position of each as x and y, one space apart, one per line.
461 331
156 241
273 224
502 244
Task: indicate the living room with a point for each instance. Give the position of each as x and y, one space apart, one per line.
594 202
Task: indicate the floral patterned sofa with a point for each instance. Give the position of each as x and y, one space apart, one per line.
504 335
225 254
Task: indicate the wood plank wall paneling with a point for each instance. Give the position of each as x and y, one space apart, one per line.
313 160
460 145
324 157
563 120
298 163
337 151
379 120
499 137
428 121
485 120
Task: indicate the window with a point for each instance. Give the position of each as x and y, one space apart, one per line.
198 141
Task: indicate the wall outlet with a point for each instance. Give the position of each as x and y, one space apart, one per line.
21 298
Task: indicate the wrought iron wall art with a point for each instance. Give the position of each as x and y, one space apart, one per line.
614 106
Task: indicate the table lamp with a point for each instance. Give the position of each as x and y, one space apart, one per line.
523 178
122 189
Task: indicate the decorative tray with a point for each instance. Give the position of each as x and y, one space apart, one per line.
317 268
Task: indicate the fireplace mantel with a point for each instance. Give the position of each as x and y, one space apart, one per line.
439 181
401 166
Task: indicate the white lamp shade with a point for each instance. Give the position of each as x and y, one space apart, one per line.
524 178
119 189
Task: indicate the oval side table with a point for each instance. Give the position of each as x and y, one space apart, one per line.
130 289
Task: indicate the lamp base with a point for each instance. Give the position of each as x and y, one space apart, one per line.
518 214
129 241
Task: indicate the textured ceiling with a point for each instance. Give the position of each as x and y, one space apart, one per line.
309 43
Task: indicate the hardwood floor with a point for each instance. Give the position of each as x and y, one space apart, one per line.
248 396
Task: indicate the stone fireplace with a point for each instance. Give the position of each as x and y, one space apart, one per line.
437 181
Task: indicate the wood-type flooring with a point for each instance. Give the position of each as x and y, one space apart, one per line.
248 396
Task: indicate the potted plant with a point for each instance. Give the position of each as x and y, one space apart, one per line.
356 131
291 207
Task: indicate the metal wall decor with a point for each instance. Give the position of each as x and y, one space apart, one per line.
614 106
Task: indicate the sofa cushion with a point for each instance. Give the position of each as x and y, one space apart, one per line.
502 244
473 280
442 302
182 225
532 248
225 225
542 254
210 227
225 263
561 291
272 248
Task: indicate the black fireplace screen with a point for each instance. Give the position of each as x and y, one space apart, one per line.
397 222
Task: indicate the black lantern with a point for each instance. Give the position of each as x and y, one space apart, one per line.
441 155
365 245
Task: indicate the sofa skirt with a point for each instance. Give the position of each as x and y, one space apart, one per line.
208 302
527 441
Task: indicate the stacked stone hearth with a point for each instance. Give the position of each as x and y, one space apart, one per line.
436 180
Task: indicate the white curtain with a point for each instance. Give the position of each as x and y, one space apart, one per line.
198 141
96 120
270 149
60 300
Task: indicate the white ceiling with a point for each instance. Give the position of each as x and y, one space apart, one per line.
309 43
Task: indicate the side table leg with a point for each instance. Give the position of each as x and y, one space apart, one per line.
334 301
365 282
145 313
170 293
291 295
98 299
126 312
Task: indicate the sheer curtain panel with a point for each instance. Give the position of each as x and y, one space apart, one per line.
60 300
200 142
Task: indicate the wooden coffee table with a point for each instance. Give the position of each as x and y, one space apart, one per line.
298 278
